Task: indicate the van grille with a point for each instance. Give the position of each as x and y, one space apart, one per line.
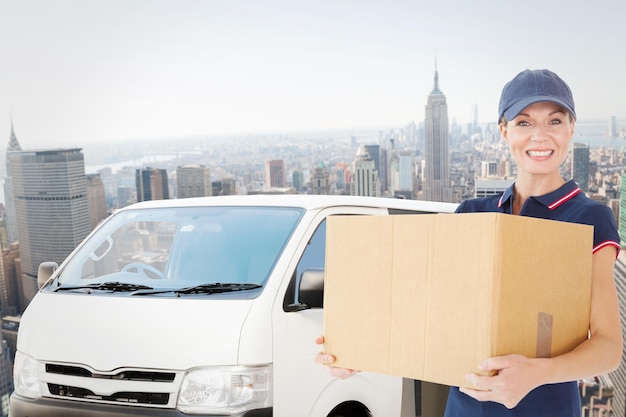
156 398
65 381
123 375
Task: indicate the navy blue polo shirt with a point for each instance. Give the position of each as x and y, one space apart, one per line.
568 203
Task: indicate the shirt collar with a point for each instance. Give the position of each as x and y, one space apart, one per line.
551 200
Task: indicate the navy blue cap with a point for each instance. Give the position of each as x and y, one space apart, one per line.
532 86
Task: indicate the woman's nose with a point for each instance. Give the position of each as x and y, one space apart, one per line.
538 133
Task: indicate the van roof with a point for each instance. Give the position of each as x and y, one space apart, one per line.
306 201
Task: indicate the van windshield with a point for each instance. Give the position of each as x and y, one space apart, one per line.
190 250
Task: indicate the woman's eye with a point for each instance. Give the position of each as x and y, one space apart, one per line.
555 122
523 123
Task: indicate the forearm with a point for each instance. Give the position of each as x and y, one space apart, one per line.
596 356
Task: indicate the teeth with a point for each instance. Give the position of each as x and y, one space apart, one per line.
539 153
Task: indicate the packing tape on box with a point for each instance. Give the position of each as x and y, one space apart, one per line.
544 335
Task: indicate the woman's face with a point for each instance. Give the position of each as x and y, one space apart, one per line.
539 138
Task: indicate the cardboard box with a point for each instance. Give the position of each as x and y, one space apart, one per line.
431 296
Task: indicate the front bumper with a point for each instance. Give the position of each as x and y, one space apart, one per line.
48 407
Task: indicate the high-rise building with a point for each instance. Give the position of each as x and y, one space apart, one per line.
613 133
51 207
320 183
152 184
486 187
6 377
474 119
11 291
193 181
97 200
364 178
489 169
616 380
374 152
406 171
622 211
343 177
13 145
297 178
580 165
274 173
125 195
437 171
383 170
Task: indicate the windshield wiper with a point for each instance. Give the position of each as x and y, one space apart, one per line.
211 288
217 287
106 286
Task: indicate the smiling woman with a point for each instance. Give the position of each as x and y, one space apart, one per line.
537 119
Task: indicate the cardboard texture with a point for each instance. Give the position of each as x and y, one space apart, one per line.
430 296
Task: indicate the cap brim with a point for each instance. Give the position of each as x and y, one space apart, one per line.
514 110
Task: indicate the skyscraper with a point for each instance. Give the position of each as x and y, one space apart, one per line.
274 173
489 169
613 127
580 165
193 181
364 178
97 200
51 207
152 184
622 211
320 183
406 171
437 172
13 145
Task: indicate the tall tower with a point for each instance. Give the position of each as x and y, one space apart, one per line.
13 145
580 165
152 184
193 180
474 118
622 211
437 172
320 183
613 127
405 171
364 178
97 200
51 207
274 173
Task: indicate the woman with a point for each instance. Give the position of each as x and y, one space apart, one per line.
537 120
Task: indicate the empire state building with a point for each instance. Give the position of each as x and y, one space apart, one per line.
437 171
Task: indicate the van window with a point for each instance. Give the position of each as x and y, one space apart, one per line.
314 256
183 247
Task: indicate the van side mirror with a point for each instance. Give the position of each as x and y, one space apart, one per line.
310 291
45 271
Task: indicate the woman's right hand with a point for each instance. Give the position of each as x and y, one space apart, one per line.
328 359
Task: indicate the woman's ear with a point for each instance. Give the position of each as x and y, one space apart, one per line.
504 132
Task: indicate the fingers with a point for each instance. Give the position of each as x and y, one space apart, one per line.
328 359
498 363
324 358
342 373
481 383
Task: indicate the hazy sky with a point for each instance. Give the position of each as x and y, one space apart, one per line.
79 71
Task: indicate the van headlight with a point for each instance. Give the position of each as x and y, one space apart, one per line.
225 389
26 376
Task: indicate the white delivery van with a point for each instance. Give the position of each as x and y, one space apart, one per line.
206 307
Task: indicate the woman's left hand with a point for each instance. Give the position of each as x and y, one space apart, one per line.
516 376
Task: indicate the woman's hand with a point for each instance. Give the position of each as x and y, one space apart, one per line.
516 376
328 359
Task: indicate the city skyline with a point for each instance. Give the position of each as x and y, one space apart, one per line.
81 72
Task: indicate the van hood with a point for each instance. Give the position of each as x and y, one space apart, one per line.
146 332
